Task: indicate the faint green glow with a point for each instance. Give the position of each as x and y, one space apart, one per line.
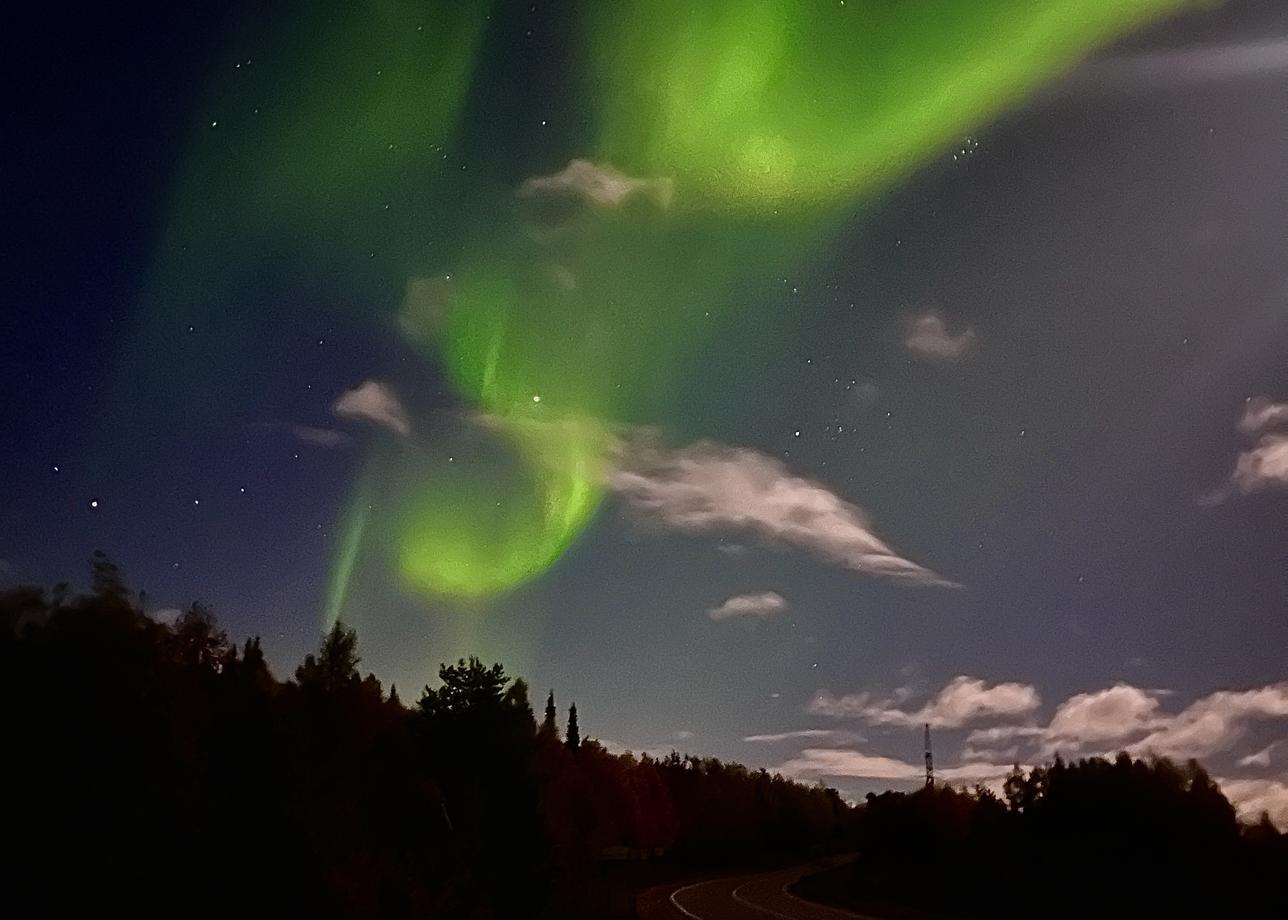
323 108
312 173
799 103
352 528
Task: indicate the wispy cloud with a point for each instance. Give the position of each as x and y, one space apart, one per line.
846 762
1260 758
375 402
321 437
928 336
1260 413
992 755
962 701
754 606
999 734
598 184
803 734
1171 69
1254 797
1265 465
710 488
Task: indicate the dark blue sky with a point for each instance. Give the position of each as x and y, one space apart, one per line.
1027 363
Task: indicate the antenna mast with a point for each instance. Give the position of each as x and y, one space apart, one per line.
930 760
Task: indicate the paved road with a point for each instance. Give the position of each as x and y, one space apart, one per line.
742 897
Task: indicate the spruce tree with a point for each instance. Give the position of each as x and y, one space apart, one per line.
573 739
549 723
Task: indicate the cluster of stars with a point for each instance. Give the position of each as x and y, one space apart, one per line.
967 149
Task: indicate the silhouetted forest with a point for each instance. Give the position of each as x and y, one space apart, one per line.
1095 838
163 769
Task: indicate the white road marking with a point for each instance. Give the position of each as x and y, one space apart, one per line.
764 910
680 907
818 906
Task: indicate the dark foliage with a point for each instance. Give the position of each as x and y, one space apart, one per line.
162 769
1121 838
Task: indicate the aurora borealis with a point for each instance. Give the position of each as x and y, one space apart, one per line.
561 312
913 332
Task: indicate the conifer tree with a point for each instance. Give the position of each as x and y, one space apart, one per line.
573 739
549 724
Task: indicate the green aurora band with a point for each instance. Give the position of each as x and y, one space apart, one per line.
556 316
798 103
750 110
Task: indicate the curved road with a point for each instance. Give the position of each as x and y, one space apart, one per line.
740 897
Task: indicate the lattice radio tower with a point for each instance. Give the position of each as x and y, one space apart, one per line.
930 760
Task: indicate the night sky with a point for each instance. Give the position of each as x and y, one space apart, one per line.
768 383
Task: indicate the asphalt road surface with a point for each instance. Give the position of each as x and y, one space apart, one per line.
741 897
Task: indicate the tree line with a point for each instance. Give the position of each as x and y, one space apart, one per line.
1123 837
163 768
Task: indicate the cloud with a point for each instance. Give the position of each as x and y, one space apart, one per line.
1264 466
1260 413
963 700
1130 718
1260 759
167 615
1171 69
598 184
375 402
1215 722
814 762
1253 797
805 733
682 735
749 605
322 437
1001 733
845 762
1106 715
708 487
1006 755
929 337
